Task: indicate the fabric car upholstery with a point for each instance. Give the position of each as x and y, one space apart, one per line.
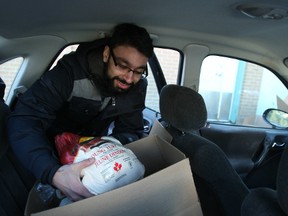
220 189
15 182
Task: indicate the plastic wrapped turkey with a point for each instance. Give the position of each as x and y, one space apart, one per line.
114 166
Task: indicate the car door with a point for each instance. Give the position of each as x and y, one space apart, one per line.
236 94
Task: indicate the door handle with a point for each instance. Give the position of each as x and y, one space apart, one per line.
276 145
267 145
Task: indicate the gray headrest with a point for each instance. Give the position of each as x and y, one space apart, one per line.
182 108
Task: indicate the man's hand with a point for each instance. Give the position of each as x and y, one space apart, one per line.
68 180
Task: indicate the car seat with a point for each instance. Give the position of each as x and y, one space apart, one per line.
219 187
15 181
266 201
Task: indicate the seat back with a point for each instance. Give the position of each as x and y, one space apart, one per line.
15 181
282 182
220 189
266 201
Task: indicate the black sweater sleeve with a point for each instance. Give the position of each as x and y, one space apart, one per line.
33 114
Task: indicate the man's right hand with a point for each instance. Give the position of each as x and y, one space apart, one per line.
68 180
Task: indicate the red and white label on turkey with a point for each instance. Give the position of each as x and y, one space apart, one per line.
115 166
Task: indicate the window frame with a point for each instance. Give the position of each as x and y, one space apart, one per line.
264 67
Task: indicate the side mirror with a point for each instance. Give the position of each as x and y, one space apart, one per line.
276 118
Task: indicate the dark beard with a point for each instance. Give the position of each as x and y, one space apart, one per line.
118 90
105 84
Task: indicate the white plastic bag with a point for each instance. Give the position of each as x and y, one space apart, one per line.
115 165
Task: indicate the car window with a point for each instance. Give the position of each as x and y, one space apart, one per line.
65 51
238 92
169 60
8 72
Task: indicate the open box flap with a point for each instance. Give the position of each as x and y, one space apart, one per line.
155 153
168 192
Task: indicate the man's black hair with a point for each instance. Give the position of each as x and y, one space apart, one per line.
132 35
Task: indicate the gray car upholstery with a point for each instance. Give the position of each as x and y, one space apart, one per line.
220 189
266 201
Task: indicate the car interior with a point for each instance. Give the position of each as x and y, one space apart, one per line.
217 70
16 182
212 172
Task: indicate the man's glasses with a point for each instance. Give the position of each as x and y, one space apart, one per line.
125 69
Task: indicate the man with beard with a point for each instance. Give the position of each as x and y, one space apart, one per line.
100 83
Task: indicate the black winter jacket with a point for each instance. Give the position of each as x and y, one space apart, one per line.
72 97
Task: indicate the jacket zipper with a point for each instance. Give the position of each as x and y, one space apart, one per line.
113 101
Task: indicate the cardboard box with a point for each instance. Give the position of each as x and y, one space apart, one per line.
167 188
159 130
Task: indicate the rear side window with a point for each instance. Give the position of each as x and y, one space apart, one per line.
238 92
68 49
8 72
169 60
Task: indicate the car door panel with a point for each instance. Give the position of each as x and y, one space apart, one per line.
239 144
149 116
253 152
